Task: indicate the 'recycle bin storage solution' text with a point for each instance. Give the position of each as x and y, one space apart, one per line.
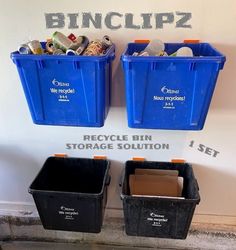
71 193
153 215
169 92
66 90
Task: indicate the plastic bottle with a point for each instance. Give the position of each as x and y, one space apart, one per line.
184 51
155 47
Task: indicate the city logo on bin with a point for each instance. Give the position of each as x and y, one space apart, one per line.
165 90
156 215
60 84
67 209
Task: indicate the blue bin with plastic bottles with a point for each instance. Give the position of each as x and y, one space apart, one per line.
66 90
170 92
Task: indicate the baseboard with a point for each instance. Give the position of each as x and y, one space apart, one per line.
18 209
214 219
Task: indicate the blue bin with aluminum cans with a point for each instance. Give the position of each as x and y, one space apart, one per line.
167 92
66 90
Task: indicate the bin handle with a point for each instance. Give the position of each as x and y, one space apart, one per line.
138 158
191 41
178 161
99 157
60 155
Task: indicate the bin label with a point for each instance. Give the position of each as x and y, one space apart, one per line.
157 220
68 213
169 97
62 90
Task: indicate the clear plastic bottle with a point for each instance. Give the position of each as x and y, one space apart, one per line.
184 51
155 47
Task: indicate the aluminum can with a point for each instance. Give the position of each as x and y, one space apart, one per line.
49 46
35 47
24 49
94 48
58 52
61 41
106 42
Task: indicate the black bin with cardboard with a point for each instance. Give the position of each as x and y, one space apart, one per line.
159 198
71 193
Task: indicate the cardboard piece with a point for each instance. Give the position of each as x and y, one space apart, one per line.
156 171
156 182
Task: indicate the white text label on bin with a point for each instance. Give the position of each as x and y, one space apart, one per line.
59 89
169 97
157 220
68 213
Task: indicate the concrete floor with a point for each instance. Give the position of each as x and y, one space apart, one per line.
23 245
23 233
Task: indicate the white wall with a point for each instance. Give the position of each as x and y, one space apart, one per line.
24 146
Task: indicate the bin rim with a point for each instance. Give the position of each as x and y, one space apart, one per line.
97 195
220 58
75 58
148 198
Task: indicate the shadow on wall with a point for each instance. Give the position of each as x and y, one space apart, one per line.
114 201
118 86
17 170
224 95
217 191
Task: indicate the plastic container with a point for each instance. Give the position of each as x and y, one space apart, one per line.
66 90
170 92
71 194
158 216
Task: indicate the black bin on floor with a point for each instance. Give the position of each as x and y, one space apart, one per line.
71 193
158 216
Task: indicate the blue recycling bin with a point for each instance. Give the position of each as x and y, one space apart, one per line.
170 92
66 90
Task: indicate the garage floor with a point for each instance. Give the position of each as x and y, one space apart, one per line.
60 246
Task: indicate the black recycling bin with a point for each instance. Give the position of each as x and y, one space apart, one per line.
71 193
159 216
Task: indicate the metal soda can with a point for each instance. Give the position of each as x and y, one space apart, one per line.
78 47
49 46
83 45
106 42
72 37
58 52
70 52
77 43
35 47
94 48
80 39
24 49
61 41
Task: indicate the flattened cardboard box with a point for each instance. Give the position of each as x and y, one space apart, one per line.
155 182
